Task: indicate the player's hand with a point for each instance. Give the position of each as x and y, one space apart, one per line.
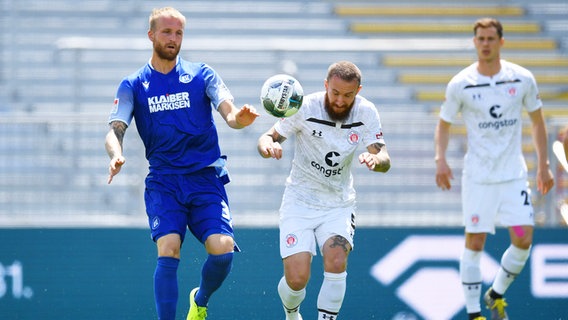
270 150
114 167
544 181
369 159
443 175
246 115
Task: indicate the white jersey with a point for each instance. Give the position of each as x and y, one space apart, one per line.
321 169
491 108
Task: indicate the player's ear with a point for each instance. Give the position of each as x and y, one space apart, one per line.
151 35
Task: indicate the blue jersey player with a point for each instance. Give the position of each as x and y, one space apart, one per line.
171 101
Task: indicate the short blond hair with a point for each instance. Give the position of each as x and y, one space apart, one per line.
165 12
485 23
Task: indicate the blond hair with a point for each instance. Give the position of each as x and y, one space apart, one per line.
485 23
165 12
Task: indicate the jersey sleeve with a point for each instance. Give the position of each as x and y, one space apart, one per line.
374 132
287 127
532 99
123 109
216 89
452 104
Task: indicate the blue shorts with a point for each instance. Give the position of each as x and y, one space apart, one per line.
196 201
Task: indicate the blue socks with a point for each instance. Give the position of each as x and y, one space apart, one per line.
166 287
213 273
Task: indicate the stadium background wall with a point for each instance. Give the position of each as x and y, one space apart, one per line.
107 274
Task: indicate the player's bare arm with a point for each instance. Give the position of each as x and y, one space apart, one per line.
269 144
565 142
544 178
441 140
376 158
113 146
237 118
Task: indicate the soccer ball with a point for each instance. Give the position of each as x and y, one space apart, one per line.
281 95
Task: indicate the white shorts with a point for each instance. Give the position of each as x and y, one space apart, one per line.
301 228
482 204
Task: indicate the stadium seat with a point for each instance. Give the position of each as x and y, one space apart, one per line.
411 77
427 10
435 27
438 95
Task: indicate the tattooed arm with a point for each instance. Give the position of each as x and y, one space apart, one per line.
376 158
113 146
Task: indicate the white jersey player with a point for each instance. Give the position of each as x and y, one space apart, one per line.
492 112
491 95
318 205
321 175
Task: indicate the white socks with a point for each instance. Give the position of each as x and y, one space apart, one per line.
470 273
291 300
512 263
331 295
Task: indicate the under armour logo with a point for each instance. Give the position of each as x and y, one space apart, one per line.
510 274
327 316
316 133
473 287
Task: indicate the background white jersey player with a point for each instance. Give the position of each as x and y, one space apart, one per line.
491 94
492 111
318 206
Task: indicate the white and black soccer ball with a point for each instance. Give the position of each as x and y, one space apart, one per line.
281 95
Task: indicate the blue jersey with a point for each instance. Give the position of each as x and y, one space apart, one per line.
173 114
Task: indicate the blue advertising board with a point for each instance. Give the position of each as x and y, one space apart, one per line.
393 273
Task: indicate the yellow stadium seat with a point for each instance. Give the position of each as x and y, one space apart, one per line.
438 95
532 44
420 10
375 27
422 60
444 78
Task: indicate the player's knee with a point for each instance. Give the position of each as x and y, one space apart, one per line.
335 260
169 246
335 264
297 281
475 241
522 243
219 244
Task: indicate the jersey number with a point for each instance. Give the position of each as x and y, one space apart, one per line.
525 194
